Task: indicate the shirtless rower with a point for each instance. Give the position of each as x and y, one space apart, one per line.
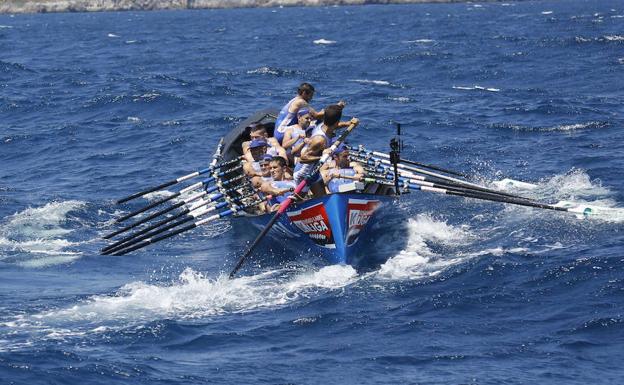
320 140
288 114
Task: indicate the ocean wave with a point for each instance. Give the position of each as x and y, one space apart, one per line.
324 42
381 83
193 296
572 189
476 87
558 128
400 99
600 39
418 260
421 41
39 232
614 38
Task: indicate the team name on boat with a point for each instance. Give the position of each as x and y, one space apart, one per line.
314 224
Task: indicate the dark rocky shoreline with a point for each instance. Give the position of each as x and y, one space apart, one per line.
42 6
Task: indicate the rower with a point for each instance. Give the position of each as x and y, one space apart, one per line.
280 187
341 170
257 149
288 114
320 140
294 138
265 168
259 131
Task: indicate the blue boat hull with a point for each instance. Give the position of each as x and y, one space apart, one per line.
332 227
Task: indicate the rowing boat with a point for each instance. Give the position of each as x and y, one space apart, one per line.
332 226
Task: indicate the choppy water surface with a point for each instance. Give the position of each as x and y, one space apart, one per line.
95 106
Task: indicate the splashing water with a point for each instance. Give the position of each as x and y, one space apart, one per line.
40 233
418 260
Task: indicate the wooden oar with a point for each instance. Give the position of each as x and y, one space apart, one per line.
187 215
407 161
192 187
581 209
404 172
232 210
284 206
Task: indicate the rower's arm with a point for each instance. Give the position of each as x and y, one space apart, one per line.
289 140
296 149
246 152
359 171
314 151
249 170
267 188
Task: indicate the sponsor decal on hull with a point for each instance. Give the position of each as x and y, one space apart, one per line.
314 222
359 212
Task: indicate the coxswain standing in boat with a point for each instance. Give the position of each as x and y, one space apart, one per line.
320 140
296 135
341 170
281 186
259 131
288 114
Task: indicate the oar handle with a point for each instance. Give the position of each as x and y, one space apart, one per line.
178 180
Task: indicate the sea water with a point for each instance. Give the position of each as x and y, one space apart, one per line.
95 106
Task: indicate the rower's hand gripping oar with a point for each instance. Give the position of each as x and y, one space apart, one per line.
284 205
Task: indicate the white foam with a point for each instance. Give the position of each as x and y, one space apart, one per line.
421 41
574 189
263 71
39 246
573 127
112 35
156 195
6 26
324 42
193 296
477 87
614 38
39 231
367 81
417 260
401 99
547 12
133 119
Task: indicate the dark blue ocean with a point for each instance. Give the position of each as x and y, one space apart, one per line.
95 106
